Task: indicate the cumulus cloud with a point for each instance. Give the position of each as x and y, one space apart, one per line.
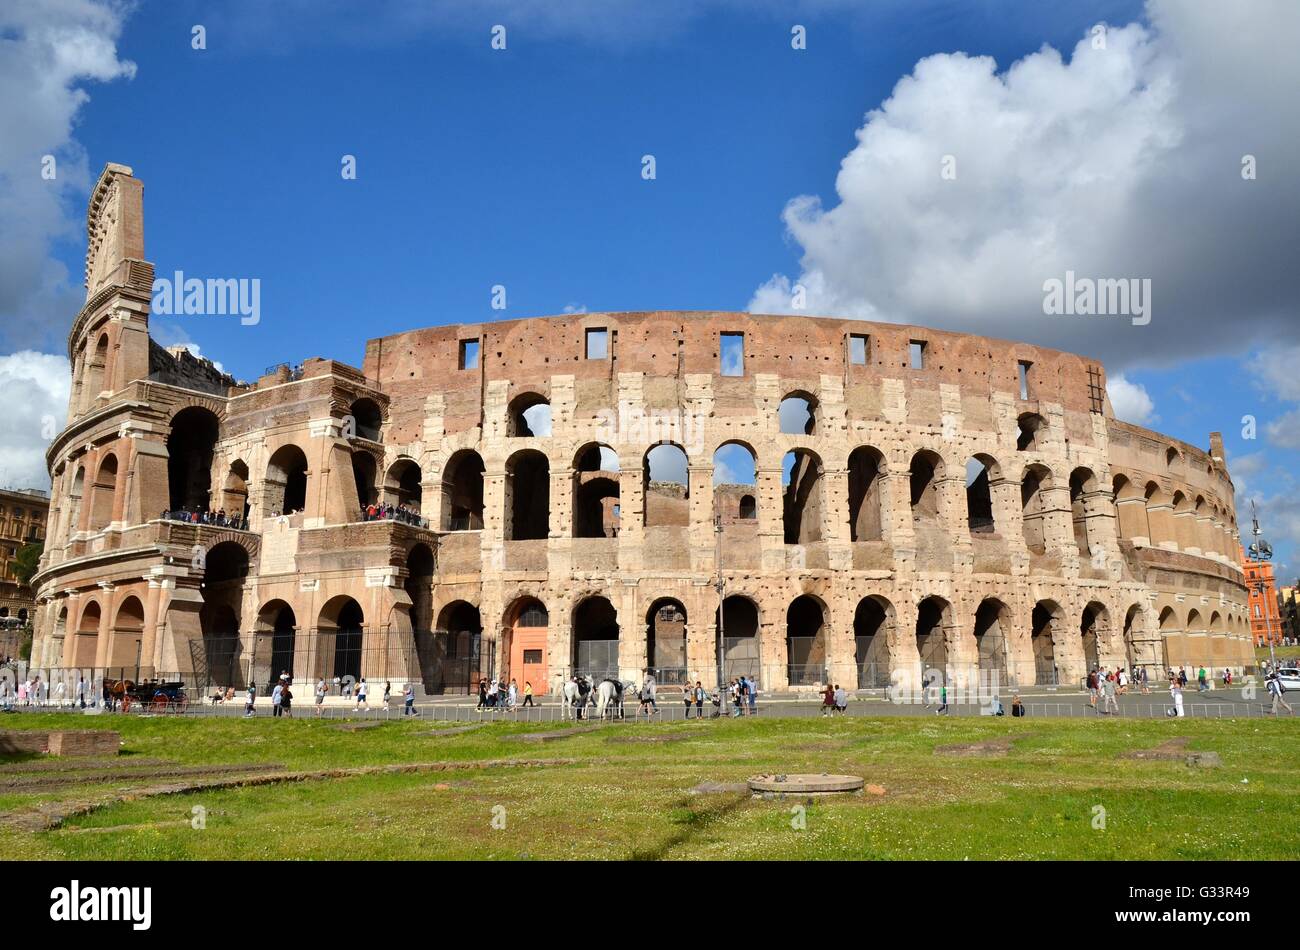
34 391
1130 401
1284 431
1122 162
49 51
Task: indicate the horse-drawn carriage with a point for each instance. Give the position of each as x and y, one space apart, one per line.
158 695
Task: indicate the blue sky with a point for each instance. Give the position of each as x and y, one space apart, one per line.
522 168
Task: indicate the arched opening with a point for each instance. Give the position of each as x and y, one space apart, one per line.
530 416
1043 627
740 643
96 372
368 419
224 569
872 622
992 620
74 501
926 470
666 640
190 446
126 638
866 499
85 644
735 475
363 473
103 494
285 489
667 489
797 414
528 496
402 484
1130 510
595 639
1030 425
932 619
234 492
1184 527
275 621
419 587
1159 514
342 638
805 637
980 472
801 502
458 661
1035 481
1171 457
1082 484
1093 629
596 509
462 492
526 623
1171 637
1137 650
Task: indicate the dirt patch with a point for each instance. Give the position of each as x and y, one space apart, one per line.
357 726
650 739
452 731
985 748
49 815
1175 750
75 765
130 775
552 736
721 788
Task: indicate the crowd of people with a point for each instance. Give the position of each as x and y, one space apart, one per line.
387 512
498 694
219 518
36 693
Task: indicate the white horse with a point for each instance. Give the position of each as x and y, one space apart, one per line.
610 694
569 694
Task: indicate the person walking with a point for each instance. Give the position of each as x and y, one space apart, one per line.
276 695
286 701
482 694
248 702
1146 686
388 692
321 689
1093 687
752 688
408 698
1176 693
512 695
528 694
1108 689
648 687
1276 689
362 689
699 700
81 692
688 698
1202 681
828 700
943 699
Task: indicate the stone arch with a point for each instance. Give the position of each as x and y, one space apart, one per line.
403 484
597 510
462 492
285 485
925 473
1083 483
1159 514
1173 638
459 661
277 641
867 513
529 416
666 485
419 586
797 413
74 501
525 625
666 639
85 642
365 475
1045 633
103 493
1094 633
595 638
1035 481
992 624
234 490
801 503
341 626
981 471
191 443
741 637
1184 521
367 419
126 637
1030 427
934 621
806 638
873 637
527 496
1130 510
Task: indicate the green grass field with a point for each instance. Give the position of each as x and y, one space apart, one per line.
631 799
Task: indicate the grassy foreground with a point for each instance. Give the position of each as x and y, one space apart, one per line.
631 799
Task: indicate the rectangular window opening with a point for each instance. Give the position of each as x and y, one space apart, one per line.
597 343
1024 378
859 349
916 350
469 354
732 354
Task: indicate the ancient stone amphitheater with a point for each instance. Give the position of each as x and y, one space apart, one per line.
560 492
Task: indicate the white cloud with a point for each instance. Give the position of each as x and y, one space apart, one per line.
34 391
48 52
1130 400
1284 431
1122 162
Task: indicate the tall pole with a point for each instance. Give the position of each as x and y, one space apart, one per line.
1257 553
721 587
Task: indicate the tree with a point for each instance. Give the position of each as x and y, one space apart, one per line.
26 561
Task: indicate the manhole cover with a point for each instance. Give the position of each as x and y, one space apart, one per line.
805 785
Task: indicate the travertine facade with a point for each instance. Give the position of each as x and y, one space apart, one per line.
937 498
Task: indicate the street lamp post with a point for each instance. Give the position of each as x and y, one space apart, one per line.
1261 551
720 585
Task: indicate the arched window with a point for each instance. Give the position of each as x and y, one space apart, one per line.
926 470
667 487
797 414
805 632
1030 425
527 496
529 416
596 512
367 419
286 481
1033 508
980 471
801 505
462 492
190 446
866 500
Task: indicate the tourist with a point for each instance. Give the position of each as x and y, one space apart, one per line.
362 689
276 694
1017 707
753 696
492 693
688 697
699 700
1276 689
338 688
512 696
1176 693
828 700
1146 686
841 699
1108 691
528 694
943 699
6 701
59 691
286 700
1202 681
248 705
643 704
1182 676
408 698
81 692
1121 681
649 688
388 692
320 696
736 698
482 693
1093 687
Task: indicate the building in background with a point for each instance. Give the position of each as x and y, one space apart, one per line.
1265 619
1287 607
23 513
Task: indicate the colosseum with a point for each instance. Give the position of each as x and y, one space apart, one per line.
818 499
